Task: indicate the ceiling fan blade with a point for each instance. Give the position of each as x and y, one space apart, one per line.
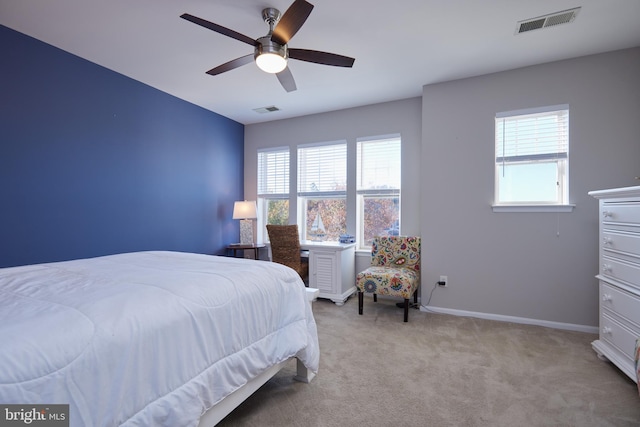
291 21
219 29
238 62
286 80
324 58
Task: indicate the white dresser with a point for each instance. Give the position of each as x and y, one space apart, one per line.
619 276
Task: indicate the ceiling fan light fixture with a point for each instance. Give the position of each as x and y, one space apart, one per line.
270 56
271 63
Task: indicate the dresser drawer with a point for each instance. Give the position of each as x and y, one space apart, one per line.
621 270
622 242
618 336
621 303
628 212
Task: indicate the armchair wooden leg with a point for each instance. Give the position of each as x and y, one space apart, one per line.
415 296
406 309
360 301
375 297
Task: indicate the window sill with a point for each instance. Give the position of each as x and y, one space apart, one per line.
533 208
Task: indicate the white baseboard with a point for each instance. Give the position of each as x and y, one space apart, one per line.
513 319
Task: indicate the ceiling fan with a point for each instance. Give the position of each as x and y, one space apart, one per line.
271 51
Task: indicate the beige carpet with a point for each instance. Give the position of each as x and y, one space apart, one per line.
441 370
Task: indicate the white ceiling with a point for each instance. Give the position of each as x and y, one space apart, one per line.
398 47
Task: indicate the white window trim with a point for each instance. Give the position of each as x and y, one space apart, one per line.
532 207
263 198
534 110
384 192
303 196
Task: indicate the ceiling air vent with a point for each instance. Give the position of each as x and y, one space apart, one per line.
271 109
545 21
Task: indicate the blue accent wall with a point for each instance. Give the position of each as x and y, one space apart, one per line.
95 163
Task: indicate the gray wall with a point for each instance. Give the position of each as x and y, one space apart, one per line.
516 264
510 266
381 119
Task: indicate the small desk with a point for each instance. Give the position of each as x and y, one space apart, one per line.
331 269
234 247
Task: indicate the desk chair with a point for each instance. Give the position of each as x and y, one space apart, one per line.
285 249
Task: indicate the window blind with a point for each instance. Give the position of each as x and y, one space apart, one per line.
541 135
273 172
378 165
322 169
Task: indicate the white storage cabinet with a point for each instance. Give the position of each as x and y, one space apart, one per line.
619 276
332 269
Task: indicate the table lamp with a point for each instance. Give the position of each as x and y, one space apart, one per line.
246 212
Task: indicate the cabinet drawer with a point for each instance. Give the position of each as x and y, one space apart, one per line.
618 336
621 213
624 271
620 302
623 242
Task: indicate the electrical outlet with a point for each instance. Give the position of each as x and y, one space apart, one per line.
444 281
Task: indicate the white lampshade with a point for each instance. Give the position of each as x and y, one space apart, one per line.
271 62
245 210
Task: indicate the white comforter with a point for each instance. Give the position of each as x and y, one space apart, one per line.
147 338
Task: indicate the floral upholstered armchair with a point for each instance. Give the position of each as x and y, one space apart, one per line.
394 270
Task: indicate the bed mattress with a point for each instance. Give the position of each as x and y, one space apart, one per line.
147 338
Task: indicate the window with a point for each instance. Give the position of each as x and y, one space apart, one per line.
273 188
532 157
378 189
322 191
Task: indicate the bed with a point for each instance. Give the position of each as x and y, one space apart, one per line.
150 338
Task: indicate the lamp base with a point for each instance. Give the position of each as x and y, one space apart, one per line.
246 231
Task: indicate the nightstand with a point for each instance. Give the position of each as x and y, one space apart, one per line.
235 247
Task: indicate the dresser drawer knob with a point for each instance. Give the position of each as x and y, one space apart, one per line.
606 268
607 214
606 330
606 298
607 241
